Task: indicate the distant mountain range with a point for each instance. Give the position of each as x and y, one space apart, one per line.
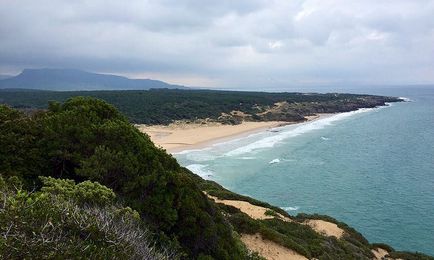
72 79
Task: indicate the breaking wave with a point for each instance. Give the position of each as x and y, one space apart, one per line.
200 170
405 99
277 160
271 141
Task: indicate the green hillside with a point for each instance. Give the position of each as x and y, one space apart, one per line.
163 106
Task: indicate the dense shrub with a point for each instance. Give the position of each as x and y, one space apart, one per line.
87 139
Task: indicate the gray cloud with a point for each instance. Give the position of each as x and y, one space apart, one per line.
225 43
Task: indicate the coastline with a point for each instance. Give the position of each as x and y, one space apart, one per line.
178 137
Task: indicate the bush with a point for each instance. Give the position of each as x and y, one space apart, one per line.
51 225
270 212
86 192
383 246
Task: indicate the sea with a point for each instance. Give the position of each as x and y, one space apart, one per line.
372 168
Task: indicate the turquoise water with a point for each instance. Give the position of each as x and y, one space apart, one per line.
372 169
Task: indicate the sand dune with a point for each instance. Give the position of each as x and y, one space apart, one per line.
255 212
379 253
269 249
325 227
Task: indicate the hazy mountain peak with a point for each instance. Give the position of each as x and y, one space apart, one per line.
74 79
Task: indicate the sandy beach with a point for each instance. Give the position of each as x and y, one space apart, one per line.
178 137
181 136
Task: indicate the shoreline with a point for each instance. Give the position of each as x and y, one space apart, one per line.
178 137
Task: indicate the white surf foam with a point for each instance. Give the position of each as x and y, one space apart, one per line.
201 156
191 151
290 208
235 140
277 160
271 141
405 99
325 138
200 170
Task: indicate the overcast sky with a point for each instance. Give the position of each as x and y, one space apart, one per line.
225 43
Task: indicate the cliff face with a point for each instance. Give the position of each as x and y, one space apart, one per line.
86 139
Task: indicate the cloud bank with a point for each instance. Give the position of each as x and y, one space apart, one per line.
238 44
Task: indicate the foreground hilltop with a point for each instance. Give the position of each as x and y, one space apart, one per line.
79 181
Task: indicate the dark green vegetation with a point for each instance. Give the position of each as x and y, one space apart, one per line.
163 106
87 139
71 79
78 180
